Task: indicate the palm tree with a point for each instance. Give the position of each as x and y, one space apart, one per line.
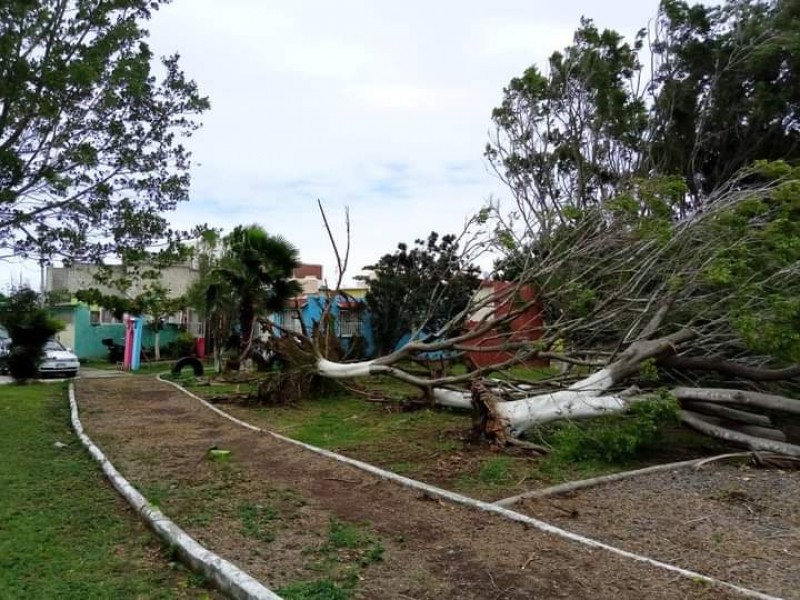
255 271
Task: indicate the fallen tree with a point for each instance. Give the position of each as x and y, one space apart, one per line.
631 314
659 265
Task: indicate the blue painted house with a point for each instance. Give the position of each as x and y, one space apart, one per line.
349 312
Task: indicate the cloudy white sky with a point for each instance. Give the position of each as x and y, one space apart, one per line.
380 106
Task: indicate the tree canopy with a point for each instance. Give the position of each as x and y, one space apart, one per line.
90 129
251 278
723 93
419 287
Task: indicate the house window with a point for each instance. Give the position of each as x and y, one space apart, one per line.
349 323
102 316
290 321
107 316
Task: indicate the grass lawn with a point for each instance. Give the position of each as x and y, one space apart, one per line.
431 445
64 533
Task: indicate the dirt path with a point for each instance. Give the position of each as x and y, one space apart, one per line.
281 513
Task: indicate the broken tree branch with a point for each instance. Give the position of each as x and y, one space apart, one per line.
734 437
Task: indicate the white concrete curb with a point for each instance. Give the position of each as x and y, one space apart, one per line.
487 507
226 576
572 486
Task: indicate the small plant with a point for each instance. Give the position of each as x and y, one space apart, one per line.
373 554
255 521
322 589
348 549
344 536
197 580
648 371
495 470
614 438
183 345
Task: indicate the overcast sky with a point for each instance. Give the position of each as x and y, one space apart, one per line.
380 106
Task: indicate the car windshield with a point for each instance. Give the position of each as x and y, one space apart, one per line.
53 345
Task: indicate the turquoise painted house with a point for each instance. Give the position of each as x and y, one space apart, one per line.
86 327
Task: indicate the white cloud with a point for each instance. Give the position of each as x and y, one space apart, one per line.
381 106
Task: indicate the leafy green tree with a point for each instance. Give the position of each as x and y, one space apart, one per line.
723 94
568 138
251 278
727 88
423 287
29 326
90 130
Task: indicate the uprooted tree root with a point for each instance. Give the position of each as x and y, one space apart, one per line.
489 426
293 386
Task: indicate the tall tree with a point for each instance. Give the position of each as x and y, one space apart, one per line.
418 288
727 88
661 246
254 273
90 129
723 93
570 136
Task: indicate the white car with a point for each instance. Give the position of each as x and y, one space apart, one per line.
58 361
5 348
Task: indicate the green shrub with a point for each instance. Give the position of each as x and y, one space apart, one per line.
29 326
183 345
614 438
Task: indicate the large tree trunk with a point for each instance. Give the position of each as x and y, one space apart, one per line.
745 398
157 343
247 317
584 399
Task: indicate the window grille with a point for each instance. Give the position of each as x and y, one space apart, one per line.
291 321
349 323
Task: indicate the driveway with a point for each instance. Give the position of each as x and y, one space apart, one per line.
84 373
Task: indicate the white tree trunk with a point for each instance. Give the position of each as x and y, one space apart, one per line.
596 383
580 401
524 414
335 370
157 350
584 399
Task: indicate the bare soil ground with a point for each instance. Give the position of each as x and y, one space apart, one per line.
736 523
292 518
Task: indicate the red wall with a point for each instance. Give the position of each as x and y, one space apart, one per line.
527 326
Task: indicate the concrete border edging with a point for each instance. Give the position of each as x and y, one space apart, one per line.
226 576
486 506
583 484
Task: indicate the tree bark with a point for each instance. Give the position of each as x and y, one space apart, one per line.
583 399
734 437
725 412
728 396
768 433
730 368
